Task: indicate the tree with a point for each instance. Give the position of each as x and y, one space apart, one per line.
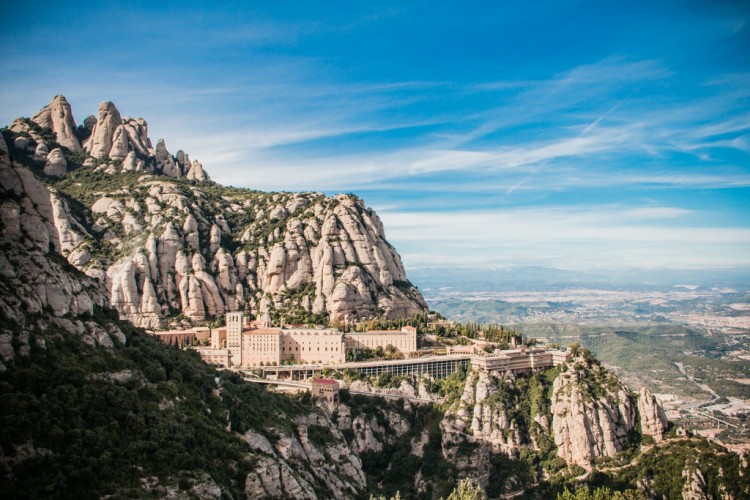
601 493
466 491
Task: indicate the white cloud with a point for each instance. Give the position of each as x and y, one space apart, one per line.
569 237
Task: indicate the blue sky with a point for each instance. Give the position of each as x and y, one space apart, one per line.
572 134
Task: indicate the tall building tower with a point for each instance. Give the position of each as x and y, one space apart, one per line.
234 338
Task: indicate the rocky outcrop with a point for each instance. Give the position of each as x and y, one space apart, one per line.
653 419
113 143
415 390
58 117
322 256
694 487
173 250
56 165
295 465
196 172
33 283
481 416
591 412
101 140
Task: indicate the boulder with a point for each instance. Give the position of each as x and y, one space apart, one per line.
56 165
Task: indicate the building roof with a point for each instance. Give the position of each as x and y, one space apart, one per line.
325 381
380 332
262 331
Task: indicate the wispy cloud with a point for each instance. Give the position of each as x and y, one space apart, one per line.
584 237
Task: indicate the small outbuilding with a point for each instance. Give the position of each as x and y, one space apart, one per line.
326 388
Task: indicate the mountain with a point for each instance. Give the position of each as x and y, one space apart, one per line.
170 245
93 406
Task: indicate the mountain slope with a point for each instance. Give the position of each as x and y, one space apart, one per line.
93 406
170 244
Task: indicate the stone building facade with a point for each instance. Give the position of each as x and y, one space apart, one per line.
256 344
325 388
404 340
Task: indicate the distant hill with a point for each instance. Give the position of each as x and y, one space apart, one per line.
530 278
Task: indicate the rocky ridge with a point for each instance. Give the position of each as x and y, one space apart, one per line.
36 288
585 412
594 413
167 243
578 412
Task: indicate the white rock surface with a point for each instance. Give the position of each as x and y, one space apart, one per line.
196 172
100 142
56 165
332 249
34 224
586 426
58 116
653 418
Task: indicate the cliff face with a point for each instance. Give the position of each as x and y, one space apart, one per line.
168 248
296 465
154 245
37 287
591 413
578 412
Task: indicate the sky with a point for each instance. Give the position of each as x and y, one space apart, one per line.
569 134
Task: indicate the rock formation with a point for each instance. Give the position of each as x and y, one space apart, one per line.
36 225
56 165
100 143
334 245
590 415
653 419
294 465
58 117
591 412
185 251
694 487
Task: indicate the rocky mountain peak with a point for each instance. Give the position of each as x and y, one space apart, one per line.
113 143
107 122
58 117
165 249
594 412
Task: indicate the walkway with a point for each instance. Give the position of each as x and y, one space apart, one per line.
435 366
307 386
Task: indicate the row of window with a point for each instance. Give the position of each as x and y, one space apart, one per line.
309 349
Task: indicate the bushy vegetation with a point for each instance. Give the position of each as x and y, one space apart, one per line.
288 308
661 468
69 428
601 493
393 470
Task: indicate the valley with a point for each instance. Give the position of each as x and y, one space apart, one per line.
689 344
105 235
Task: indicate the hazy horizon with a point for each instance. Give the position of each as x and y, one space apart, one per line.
572 135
